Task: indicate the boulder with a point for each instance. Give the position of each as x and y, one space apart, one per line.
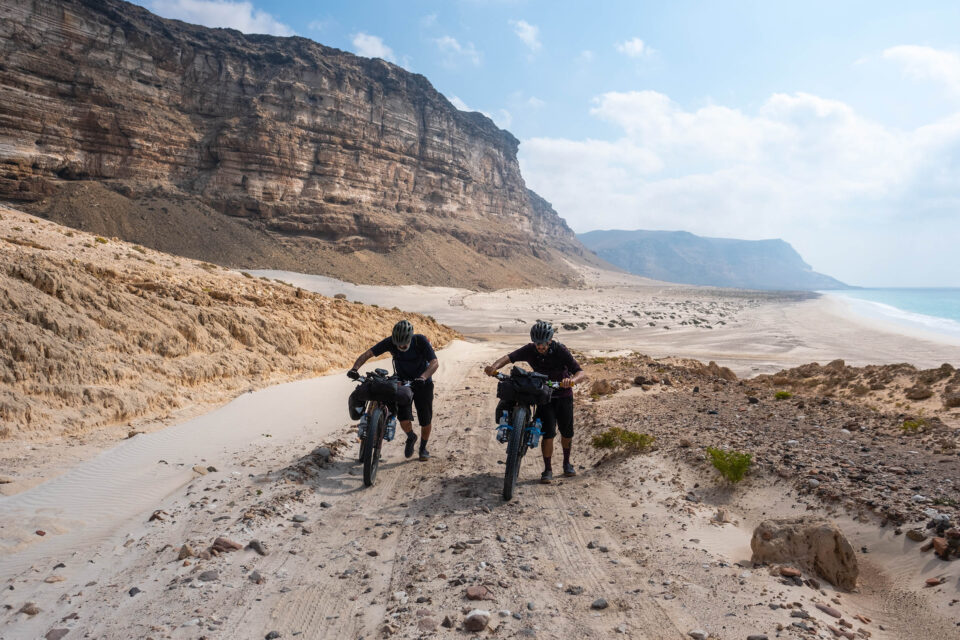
817 545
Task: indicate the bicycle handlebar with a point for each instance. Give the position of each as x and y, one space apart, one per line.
549 383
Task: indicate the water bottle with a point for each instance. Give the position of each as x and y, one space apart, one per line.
503 429
535 432
362 427
391 429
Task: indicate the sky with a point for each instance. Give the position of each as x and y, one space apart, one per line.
832 125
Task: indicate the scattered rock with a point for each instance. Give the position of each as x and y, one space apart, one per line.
273 635
299 518
933 582
211 575
447 622
599 603
816 544
186 551
133 591
54 578
574 590
476 620
256 578
916 535
478 592
224 544
790 572
200 469
427 624
697 634
258 546
30 608
830 611
56 634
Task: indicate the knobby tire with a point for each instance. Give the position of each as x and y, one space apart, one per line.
515 451
373 443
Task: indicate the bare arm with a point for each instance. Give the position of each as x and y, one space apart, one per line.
431 369
366 355
577 378
491 369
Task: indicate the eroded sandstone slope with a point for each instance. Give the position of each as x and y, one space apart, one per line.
321 160
97 331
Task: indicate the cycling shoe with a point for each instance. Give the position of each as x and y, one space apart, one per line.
411 441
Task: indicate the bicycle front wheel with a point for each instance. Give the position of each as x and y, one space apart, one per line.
515 450
372 445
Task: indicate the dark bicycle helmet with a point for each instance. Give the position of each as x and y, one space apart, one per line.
402 333
541 332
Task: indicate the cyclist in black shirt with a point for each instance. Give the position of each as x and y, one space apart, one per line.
547 356
414 360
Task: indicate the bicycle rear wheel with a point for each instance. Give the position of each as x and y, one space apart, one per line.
515 451
372 445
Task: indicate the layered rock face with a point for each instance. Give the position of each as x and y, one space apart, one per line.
304 140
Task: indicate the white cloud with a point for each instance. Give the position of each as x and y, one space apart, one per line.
502 118
459 104
318 25
535 103
928 63
586 56
846 191
453 51
372 47
221 13
528 33
635 48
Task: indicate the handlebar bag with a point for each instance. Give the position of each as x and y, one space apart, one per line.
524 388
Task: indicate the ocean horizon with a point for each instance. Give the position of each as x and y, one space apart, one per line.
933 309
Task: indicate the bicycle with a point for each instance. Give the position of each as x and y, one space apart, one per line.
521 391
378 422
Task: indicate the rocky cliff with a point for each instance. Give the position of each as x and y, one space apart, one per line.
331 161
679 256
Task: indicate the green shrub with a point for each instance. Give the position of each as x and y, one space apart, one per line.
617 438
912 426
245 274
732 465
782 395
138 248
101 240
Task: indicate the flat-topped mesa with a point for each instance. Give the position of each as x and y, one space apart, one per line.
306 140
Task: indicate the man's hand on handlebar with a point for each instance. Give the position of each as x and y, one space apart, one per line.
353 374
567 383
490 370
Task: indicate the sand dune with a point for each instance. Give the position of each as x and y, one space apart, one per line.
97 333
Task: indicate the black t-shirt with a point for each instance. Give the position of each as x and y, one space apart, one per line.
411 363
557 363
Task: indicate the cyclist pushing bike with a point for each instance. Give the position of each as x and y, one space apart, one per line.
414 360
552 359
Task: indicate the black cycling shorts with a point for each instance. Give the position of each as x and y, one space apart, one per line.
422 400
558 413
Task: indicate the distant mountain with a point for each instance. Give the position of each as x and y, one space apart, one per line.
679 256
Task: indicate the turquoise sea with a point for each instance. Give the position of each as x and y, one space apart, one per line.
935 310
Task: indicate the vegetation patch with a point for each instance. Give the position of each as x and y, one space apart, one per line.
618 438
732 465
782 395
912 426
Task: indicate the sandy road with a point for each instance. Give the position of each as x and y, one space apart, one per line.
323 579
